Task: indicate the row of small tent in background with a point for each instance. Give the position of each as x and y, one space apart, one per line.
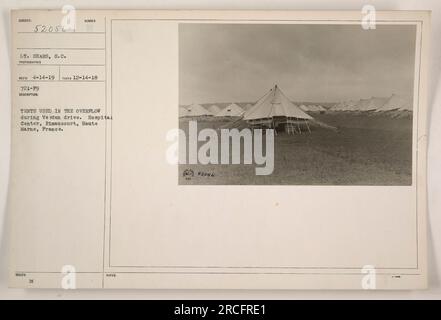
232 110
376 104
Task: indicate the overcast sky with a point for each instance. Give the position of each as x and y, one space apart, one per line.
317 63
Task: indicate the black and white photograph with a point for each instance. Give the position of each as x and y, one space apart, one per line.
308 104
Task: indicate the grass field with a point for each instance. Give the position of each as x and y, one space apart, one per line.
366 150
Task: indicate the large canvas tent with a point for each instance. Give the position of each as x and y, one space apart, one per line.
233 110
194 110
275 110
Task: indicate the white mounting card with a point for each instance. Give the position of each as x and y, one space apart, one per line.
219 149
